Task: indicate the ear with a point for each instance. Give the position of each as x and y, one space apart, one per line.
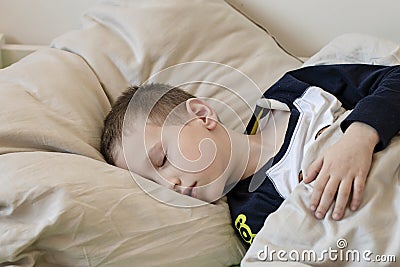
202 110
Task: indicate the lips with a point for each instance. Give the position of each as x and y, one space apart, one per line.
191 190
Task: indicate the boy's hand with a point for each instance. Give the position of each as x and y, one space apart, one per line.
343 167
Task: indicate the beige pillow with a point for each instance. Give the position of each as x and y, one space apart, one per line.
74 209
204 45
51 101
71 210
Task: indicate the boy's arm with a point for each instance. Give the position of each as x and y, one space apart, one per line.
380 107
373 92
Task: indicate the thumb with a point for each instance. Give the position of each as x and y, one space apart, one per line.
313 170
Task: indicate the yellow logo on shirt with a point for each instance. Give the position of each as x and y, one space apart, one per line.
244 229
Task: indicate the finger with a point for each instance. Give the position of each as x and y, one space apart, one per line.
313 170
327 197
318 189
359 184
342 198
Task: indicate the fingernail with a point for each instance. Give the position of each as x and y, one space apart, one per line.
336 216
353 207
313 207
319 215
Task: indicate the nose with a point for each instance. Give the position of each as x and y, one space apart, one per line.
174 183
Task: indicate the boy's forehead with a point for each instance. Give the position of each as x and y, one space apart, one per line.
145 135
141 132
136 142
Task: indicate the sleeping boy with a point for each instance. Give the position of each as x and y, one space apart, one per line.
176 140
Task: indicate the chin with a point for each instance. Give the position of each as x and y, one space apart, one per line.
210 196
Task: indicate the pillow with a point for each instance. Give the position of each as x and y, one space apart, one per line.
61 204
43 109
357 48
74 209
62 209
205 46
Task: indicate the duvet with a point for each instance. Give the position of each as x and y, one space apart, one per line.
292 236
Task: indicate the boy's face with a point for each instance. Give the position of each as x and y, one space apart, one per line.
190 159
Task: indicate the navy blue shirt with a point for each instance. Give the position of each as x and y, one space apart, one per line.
372 93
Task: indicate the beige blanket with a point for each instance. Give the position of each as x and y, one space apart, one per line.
292 236
369 236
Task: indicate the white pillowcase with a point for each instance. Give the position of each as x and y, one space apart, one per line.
357 48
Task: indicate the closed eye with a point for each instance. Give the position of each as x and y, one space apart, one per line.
157 155
164 160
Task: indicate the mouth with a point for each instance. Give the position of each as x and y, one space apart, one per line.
191 190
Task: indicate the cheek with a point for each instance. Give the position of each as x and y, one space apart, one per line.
212 191
189 148
191 151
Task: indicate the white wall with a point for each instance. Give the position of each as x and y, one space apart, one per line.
37 22
304 26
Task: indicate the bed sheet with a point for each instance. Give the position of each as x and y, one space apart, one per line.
292 236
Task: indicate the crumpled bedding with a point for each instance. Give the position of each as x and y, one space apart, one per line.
367 237
69 210
61 204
